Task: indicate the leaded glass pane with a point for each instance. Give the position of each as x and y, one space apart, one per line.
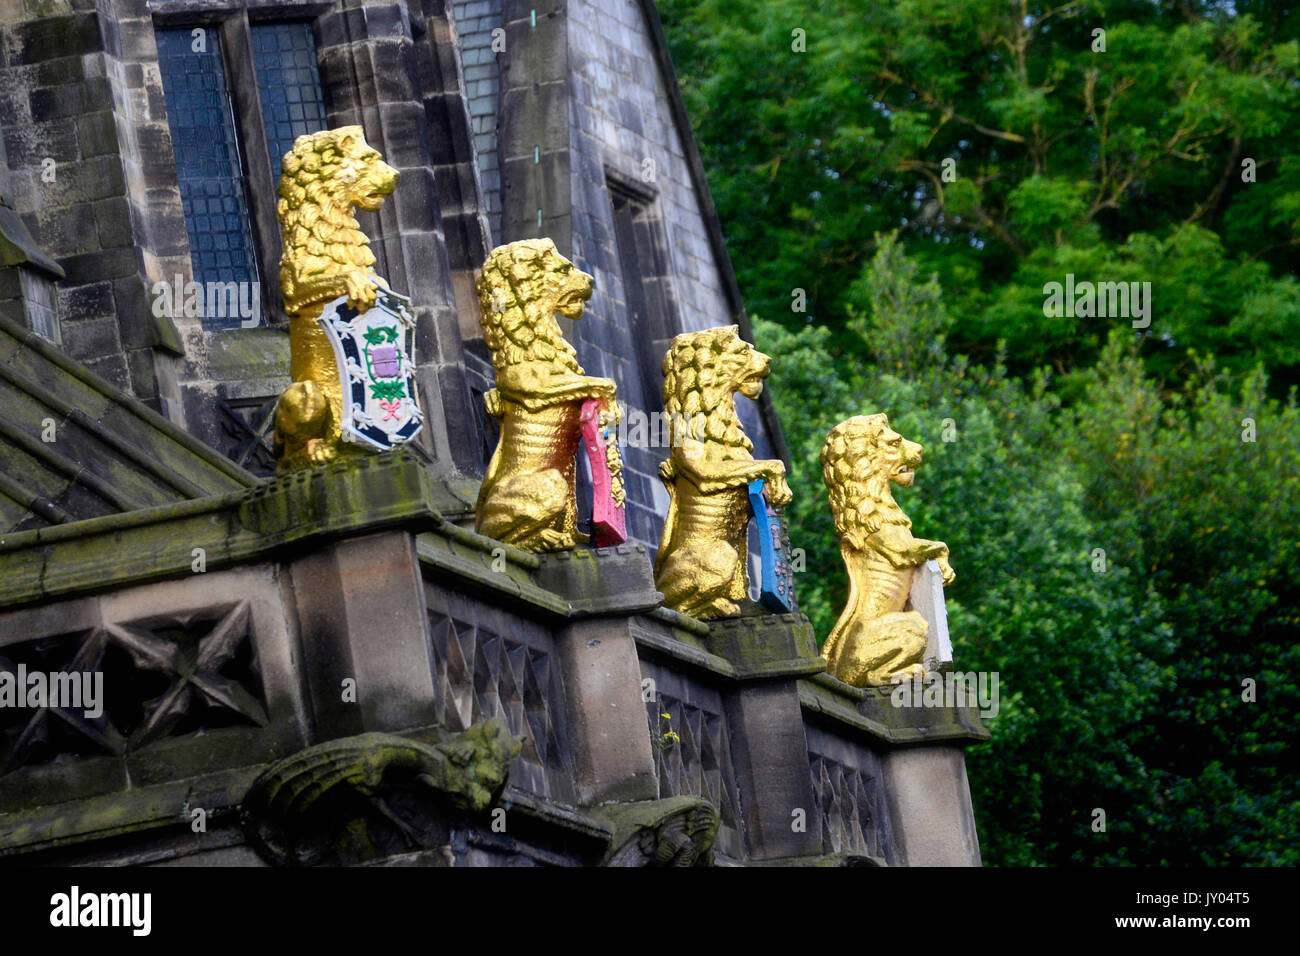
287 78
202 125
42 305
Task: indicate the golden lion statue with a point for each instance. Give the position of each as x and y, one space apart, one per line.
326 255
527 497
875 640
701 567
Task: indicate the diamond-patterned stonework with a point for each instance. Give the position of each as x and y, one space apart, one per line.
688 733
491 663
846 782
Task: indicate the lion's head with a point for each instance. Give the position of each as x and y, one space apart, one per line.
859 460
520 288
702 373
322 178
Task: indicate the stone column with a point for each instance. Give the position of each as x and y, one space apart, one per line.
769 751
370 72
447 106
534 144
930 806
602 674
361 616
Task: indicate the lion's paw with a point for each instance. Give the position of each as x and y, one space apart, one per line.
718 607
778 491
555 540
910 673
946 571
361 292
320 451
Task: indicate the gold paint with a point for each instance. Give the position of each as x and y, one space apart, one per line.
527 498
875 640
703 555
326 255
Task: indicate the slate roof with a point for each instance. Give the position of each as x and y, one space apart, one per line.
108 454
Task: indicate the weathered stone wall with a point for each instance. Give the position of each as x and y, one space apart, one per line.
623 121
86 140
475 21
623 709
92 172
582 101
621 124
453 145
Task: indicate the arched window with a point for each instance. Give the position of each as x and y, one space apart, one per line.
238 94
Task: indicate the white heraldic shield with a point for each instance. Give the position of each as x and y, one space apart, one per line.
374 350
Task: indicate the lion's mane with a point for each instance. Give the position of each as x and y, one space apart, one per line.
861 502
697 398
322 239
519 305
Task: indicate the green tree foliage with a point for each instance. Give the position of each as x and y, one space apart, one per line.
1199 495
1125 164
923 170
1122 678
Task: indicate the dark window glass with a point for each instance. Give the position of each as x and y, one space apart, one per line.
42 305
289 83
639 243
207 164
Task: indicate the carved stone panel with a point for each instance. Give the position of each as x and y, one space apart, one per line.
846 779
692 747
174 680
489 663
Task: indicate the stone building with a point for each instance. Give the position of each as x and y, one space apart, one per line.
238 619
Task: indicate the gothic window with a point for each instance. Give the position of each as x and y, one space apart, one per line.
36 273
643 262
202 125
238 94
289 85
41 303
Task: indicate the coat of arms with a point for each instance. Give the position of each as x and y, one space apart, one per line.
608 520
776 588
373 350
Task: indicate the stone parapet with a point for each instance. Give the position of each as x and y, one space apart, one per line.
207 534
645 735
